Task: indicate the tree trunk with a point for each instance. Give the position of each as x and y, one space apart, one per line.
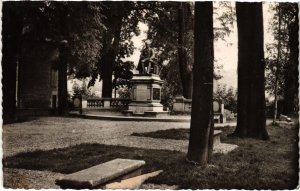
111 46
277 66
63 64
251 119
291 99
11 52
63 81
9 84
202 127
185 75
107 67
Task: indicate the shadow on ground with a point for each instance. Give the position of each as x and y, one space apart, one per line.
254 165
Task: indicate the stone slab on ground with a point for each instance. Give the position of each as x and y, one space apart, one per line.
99 174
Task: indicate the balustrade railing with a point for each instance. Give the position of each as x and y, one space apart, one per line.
108 103
119 103
95 103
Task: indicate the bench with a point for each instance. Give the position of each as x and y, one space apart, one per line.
98 175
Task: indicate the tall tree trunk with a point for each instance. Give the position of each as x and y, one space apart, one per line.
63 82
277 66
107 67
202 126
251 119
11 39
8 83
111 46
63 64
186 76
291 99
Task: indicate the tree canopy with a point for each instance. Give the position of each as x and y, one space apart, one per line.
281 62
171 31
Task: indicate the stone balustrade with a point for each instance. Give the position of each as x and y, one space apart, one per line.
105 103
182 105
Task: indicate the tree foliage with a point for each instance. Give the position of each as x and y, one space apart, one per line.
79 24
285 58
164 33
281 33
228 96
122 74
82 90
67 35
121 20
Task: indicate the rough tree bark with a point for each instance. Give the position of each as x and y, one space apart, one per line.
202 127
11 37
277 67
291 99
63 65
63 81
251 119
185 74
111 46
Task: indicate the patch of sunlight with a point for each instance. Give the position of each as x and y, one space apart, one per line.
132 183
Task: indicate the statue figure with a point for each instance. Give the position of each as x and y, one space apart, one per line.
146 60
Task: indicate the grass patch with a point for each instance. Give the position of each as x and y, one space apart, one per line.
254 165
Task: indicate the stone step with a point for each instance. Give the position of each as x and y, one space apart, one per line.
98 175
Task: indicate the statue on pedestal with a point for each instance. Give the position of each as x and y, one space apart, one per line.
147 63
146 86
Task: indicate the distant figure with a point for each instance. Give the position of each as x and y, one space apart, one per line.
146 60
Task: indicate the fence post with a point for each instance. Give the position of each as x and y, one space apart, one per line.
83 105
178 104
106 103
223 115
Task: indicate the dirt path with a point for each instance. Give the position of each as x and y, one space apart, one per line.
55 132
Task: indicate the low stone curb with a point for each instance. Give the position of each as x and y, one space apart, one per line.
124 118
121 118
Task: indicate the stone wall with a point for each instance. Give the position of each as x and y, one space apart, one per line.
35 77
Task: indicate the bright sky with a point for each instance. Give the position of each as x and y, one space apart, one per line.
225 51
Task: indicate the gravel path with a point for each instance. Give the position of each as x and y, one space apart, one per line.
29 179
55 132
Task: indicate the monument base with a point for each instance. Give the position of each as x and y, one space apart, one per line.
145 109
142 107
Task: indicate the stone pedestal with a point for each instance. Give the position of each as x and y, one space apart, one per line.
146 95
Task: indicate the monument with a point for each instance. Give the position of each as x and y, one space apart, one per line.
146 87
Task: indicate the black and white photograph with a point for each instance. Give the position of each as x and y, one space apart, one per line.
150 95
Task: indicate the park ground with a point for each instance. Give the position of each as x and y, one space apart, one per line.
37 152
